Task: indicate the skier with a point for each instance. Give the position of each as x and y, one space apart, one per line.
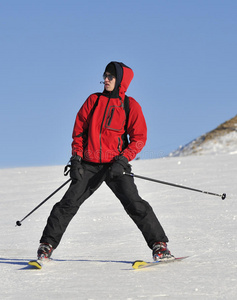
101 152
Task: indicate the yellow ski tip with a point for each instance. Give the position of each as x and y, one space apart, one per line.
35 263
138 264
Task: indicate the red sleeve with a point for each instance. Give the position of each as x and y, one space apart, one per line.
80 129
137 130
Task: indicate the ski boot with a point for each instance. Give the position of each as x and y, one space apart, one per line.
45 251
161 252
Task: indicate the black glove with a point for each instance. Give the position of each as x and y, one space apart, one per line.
76 170
118 167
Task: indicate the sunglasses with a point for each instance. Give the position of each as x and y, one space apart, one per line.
109 76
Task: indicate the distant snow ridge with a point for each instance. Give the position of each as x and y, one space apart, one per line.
221 140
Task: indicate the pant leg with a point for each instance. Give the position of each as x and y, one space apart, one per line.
63 211
138 209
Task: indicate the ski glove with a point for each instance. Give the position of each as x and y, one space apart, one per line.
118 167
76 170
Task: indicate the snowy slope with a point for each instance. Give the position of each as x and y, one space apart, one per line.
221 140
94 258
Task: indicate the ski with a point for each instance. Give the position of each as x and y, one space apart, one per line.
38 263
140 264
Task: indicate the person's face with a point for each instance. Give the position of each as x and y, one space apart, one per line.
109 82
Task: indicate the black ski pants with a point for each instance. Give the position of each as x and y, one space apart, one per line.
123 187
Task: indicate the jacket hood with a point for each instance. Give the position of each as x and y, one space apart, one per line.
124 76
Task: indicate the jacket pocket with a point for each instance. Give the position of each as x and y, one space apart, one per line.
119 144
115 118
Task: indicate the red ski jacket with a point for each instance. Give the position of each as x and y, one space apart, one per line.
100 134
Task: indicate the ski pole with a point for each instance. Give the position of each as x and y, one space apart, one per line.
18 223
223 196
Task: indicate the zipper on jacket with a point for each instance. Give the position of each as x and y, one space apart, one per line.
119 143
102 127
111 116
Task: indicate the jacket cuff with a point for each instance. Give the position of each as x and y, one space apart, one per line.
75 158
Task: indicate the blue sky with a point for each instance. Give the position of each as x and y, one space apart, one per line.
53 54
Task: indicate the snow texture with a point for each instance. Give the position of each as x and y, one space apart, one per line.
224 144
221 140
94 259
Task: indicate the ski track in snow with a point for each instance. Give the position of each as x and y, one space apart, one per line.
94 258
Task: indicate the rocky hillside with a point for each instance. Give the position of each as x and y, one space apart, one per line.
222 139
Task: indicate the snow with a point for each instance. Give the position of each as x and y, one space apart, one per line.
225 144
94 258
